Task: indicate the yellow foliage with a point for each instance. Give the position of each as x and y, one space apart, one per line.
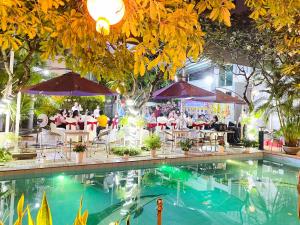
153 34
81 219
20 211
282 16
30 220
44 214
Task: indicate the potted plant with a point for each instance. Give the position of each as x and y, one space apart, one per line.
186 145
283 103
249 144
153 142
221 144
291 135
80 150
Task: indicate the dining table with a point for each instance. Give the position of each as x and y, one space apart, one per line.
217 134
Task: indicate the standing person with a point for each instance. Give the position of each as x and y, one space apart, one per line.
77 107
121 110
115 122
102 122
97 112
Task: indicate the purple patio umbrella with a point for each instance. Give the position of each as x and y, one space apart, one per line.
220 97
69 84
182 90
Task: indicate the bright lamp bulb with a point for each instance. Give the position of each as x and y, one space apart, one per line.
106 13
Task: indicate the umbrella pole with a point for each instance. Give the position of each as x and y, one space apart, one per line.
181 106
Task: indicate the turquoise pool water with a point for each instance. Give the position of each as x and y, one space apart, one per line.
223 193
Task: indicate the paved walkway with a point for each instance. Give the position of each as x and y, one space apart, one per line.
100 159
51 160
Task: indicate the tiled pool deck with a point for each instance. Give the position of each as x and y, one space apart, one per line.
100 160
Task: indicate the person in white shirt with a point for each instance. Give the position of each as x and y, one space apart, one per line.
189 122
76 107
97 112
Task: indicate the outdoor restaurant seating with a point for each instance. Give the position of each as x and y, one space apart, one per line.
91 124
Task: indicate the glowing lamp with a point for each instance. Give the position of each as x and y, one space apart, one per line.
106 13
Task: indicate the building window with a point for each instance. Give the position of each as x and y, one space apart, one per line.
226 76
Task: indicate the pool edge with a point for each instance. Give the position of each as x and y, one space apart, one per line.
123 164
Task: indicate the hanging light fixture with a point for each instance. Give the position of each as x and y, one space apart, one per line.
106 13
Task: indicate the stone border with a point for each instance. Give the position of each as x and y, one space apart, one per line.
282 158
114 165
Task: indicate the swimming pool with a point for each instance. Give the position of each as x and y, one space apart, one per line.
221 193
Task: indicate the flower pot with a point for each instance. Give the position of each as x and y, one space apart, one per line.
221 148
247 150
153 152
186 153
79 157
125 157
291 150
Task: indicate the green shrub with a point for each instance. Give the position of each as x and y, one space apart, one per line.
123 150
248 143
186 144
152 142
5 156
80 148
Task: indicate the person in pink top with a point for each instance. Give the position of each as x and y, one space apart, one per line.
60 120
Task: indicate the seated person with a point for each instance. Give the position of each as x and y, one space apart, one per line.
171 115
172 122
65 113
201 119
60 120
151 122
213 122
181 121
102 122
189 122
76 116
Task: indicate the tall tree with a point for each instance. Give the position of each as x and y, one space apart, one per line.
246 45
153 34
282 17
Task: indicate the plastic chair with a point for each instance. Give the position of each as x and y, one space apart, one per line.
71 125
92 128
